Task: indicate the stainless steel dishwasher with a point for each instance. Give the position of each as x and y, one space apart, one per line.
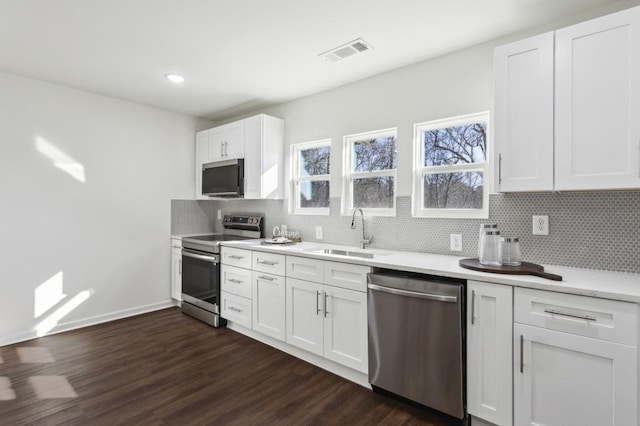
416 339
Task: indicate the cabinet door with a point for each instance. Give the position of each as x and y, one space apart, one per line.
345 327
523 115
202 157
234 140
489 352
598 103
217 137
268 304
564 379
176 273
304 315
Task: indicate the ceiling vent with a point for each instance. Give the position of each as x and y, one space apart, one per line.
346 50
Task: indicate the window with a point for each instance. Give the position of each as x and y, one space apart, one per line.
310 170
451 171
371 160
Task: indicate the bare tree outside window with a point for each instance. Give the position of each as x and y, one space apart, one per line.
373 160
450 174
311 175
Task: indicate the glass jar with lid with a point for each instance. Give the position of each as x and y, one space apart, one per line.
490 251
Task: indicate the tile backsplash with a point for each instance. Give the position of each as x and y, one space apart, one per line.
596 230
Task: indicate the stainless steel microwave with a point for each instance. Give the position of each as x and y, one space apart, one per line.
223 178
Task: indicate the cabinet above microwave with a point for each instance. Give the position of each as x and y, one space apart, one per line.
258 141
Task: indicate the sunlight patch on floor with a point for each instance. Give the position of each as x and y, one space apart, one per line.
34 354
52 387
6 392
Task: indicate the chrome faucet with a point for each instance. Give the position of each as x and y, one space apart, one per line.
364 241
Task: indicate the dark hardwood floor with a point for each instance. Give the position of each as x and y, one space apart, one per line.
165 368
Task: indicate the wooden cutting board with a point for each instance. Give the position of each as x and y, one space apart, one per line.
525 268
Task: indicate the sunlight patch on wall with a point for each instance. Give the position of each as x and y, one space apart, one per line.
60 159
52 320
48 294
270 180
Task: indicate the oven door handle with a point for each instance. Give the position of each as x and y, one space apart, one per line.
210 259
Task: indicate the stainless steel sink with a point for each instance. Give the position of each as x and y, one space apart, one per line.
350 253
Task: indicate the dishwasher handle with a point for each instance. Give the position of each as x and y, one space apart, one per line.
415 294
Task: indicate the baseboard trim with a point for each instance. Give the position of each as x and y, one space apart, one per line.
87 322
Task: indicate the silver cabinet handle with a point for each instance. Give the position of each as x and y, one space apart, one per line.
234 309
499 169
264 277
567 314
267 262
233 280
325 304
233 256
473 307
429 296
221 149
318 303
521 353
180 267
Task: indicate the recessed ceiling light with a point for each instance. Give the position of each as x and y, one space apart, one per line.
174 78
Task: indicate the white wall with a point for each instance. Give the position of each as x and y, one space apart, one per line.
108 235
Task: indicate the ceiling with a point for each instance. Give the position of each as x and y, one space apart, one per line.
239 55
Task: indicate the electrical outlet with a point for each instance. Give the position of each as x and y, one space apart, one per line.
455 241
540 225
318 232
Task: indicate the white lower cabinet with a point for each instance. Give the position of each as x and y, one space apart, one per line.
572 370
176 269
305 315
489 352
268 304
328 321
235 308
345 327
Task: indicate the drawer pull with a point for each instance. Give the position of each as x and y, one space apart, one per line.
267 262
233 308
233 256
233 280
264 277
566 314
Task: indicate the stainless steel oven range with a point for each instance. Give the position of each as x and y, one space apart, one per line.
201 267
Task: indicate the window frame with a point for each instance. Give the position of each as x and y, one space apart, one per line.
419 170
348 175
296 178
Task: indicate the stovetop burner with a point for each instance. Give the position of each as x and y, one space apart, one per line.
235 228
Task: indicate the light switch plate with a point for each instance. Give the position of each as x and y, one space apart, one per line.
540 225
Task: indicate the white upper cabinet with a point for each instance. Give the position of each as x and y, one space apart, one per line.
227 142
598 103
523 131
259 140
567 107
264 162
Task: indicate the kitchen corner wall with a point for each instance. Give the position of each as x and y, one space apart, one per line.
587 230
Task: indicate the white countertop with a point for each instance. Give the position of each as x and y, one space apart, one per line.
585 282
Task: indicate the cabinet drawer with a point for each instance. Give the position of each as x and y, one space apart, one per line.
603 319
235 280
269 262
236 257
346 275
304 268
236 309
